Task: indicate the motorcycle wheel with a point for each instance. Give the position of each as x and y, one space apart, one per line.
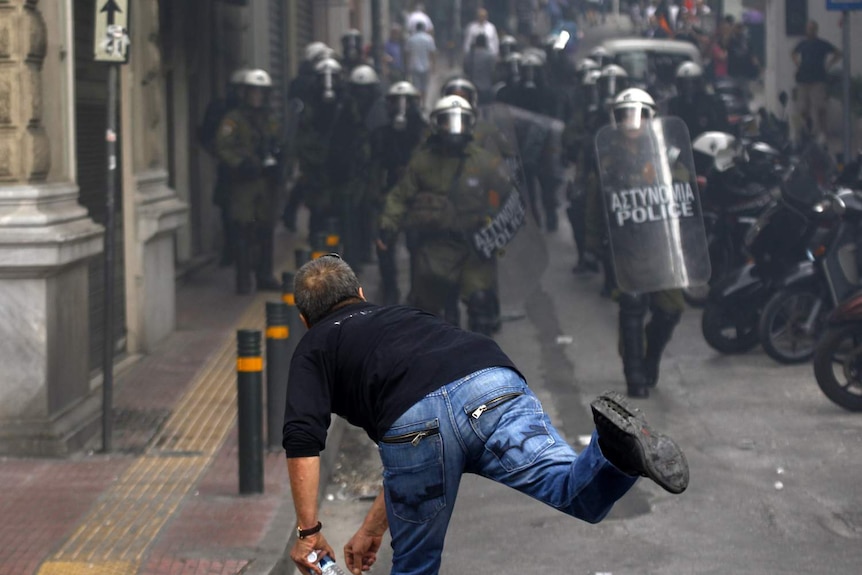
782 330
838 366
727 334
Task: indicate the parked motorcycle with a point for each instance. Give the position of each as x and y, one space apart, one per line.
775 244
795 316
735 178
838 355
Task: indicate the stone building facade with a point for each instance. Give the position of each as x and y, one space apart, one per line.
53 165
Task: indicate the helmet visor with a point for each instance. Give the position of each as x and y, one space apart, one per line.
632 117
453 123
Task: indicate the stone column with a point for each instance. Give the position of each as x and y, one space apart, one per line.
158 211
46 237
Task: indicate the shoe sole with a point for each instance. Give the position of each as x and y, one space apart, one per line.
662 459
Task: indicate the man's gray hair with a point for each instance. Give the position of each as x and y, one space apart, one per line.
321 284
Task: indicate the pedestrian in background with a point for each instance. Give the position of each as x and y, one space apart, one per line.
479 66
481 25
813 57
421 58
418 16
393 55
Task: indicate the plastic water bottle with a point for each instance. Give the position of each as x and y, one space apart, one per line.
327 564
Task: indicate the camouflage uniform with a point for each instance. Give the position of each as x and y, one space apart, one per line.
446 265
246 138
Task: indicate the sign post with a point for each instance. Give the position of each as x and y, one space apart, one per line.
845 7
111 46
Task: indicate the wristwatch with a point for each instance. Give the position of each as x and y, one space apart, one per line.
303 533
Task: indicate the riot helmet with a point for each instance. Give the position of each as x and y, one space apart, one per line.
531 71
508 45
461 87
351 45
590 85
402 99
364 85
364 75
328 72
600 55
632 109
257 84
614 79
689 80
584 65
317 51
513 68
452 120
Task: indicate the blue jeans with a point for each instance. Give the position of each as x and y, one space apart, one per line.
491 424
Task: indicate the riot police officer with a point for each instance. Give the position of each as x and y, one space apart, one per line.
450 190
393 146
641 347
350 162
216 111
315 133
614 79
700 110
249 145
352 49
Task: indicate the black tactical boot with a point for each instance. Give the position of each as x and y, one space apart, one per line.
265 280
632 343
242 261
658 333
633 447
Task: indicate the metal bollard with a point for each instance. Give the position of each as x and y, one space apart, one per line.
333 238
277 367
301 255
249 367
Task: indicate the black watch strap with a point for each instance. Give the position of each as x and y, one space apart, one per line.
303 533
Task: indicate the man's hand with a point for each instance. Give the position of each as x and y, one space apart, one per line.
360 553
303 547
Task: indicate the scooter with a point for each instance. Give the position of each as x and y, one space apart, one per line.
838 355
775 244
795 316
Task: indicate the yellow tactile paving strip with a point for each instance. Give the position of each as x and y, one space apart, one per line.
115 534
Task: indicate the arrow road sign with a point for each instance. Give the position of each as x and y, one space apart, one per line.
112 31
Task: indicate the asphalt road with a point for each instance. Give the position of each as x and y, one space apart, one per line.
775 467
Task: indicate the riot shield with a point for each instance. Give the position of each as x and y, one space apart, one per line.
524 258
652 206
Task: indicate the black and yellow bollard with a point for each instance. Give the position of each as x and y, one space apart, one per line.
249 367
277 367
333 235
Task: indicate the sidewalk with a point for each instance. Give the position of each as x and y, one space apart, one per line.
166 501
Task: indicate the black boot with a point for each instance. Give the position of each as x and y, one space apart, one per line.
659 330
632 343
242 260
629 443
388 275
265 281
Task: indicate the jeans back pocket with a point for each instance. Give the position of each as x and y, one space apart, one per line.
413 470
512 425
